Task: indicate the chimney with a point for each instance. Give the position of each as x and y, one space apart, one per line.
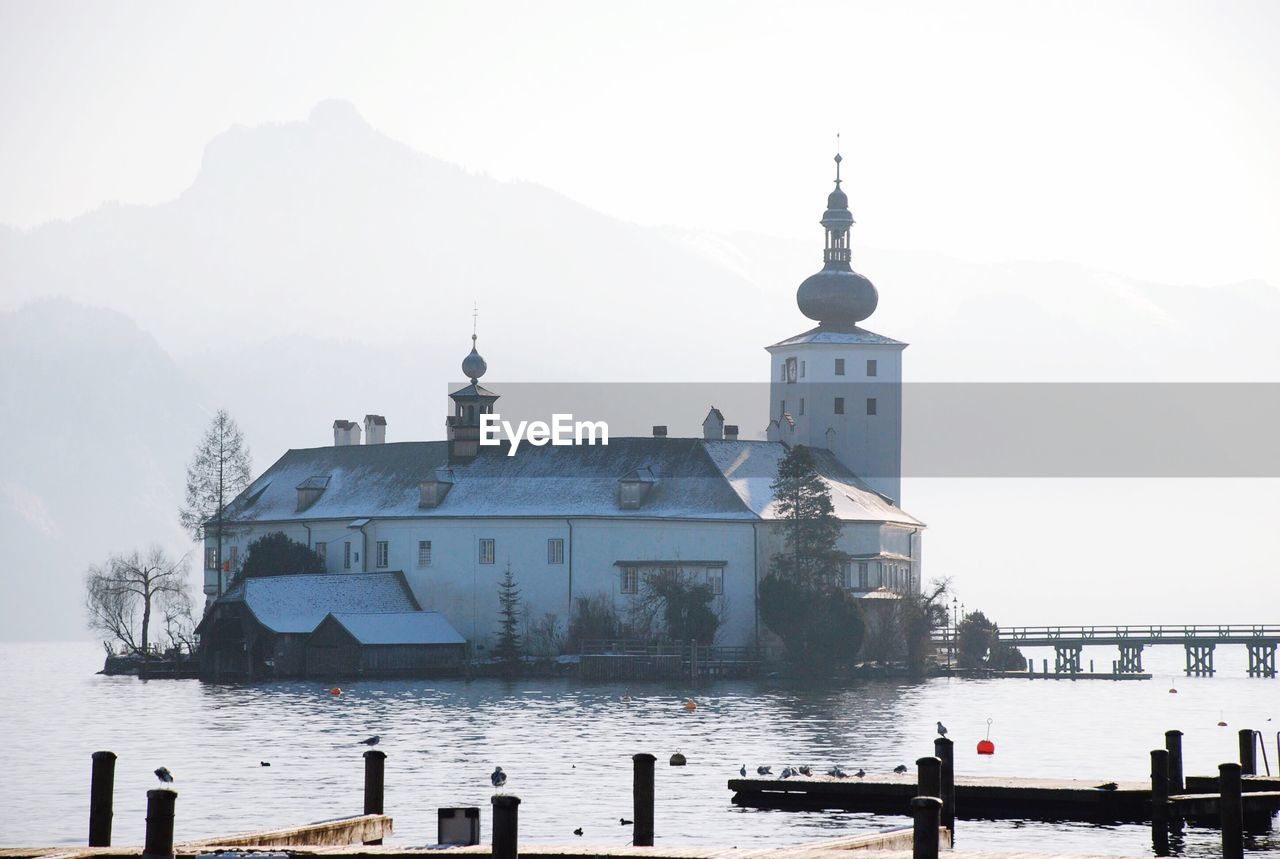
375 429
731 432
713 424
659 431
345 433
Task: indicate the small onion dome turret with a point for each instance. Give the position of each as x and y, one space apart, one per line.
837 297
473 366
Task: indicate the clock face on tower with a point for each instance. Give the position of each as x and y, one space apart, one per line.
791 370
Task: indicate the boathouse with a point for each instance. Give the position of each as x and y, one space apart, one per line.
259 628
384 644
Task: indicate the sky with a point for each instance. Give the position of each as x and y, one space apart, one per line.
1139 137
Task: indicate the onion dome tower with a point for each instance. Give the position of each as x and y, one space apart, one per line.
469 403
837 297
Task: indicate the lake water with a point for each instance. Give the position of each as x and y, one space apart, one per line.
567 748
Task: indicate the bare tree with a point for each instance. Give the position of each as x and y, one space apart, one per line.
219 471
123 594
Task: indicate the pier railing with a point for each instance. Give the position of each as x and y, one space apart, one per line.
1048 636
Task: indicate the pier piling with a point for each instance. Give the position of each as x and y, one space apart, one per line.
929 777
1231 811
159 842
1248 761
642 799
927 814
1160 801
506 814
944 749
1173 745
101 798
374 768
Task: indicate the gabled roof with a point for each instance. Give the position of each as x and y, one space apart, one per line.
297 604
399 627
720 479
826 335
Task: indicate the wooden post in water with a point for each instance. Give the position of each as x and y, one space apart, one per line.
159 843
929 777
1160 801
927 813
506 813
1231 809
1173 745
945 751
642 799
101 798
374 770
1248 763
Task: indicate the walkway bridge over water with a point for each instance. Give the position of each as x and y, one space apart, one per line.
1261 640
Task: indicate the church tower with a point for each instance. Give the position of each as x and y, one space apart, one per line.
469 403
839 386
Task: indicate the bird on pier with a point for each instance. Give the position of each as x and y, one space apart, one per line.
743 772
622 821
805 770
900 769
942 730
497 778
164 775
371 741
787 772
836 772
578 832
764 770
860 773
264 763
1109 786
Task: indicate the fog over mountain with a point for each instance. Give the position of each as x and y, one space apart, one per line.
320 269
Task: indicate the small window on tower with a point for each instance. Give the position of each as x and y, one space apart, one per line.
871 405
782 372
839 405
782 409
791 370
801 369
871 366
839 366
802 405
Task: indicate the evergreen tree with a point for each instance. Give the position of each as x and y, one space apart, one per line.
219 471
275 554
809 521
510 647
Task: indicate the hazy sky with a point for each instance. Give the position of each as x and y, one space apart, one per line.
1136 136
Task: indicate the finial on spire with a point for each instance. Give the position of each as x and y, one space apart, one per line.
475 319
473 366
839 158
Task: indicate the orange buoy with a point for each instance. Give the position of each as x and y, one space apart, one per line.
335 691
690 704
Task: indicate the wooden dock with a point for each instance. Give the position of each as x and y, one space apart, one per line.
983 797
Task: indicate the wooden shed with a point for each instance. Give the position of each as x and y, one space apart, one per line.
384 644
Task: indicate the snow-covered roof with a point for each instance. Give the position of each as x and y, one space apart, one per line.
399 627
297 604
694 479
837 338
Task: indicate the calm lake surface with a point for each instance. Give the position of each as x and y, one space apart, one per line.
567 748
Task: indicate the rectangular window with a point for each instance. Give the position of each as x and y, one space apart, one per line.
486 551
782 409
871 405
715 579
801 369
864 578
424 553
234 556
782 374
871 366
346 555
802 405
322 549
791 370
846 575
211 559
630 580
384 553
839 405
839 366
555 551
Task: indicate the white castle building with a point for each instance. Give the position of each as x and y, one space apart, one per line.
585 520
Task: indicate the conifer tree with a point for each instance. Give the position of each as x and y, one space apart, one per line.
809 521
219 471
510 647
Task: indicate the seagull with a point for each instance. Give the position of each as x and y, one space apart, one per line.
622 821
805 770
743 772
900 769
942 730
372 741
498 778
837 772
164 775
860 773
787 772
764 770
264 763
578 831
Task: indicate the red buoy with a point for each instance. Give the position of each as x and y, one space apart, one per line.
986 747
335 691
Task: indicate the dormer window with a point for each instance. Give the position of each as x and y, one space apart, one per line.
635 487
310 490
432 491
